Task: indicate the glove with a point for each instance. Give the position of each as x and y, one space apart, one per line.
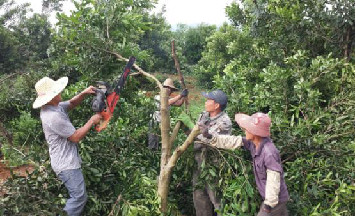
186 120
184 93
204 130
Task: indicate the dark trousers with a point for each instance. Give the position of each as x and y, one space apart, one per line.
204 201
153 136
279 210
204 198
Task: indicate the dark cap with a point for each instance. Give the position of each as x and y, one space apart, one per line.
218 96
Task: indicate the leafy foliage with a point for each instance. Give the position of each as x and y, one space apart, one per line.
307 114
291 59
273 60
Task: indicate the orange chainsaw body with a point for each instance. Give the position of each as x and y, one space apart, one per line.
113 97
108 112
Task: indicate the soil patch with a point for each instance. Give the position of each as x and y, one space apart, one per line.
5 173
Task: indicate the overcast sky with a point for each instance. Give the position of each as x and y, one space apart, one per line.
190 12
194 12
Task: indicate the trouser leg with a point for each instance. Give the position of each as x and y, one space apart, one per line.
214 197
153 141
279 210
202 203
153 137
74 182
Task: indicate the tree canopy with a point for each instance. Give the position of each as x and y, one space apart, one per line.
291 59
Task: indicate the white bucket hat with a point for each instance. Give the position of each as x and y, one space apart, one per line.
47 89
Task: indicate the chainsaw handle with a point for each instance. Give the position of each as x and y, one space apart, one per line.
106 114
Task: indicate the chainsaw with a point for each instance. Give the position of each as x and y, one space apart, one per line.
106 96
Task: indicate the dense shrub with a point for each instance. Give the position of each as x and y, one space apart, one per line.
293 61
311 103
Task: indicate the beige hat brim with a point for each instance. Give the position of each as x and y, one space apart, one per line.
173 87
170 86
58 87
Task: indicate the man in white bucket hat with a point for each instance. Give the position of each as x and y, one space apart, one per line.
267 165
62 137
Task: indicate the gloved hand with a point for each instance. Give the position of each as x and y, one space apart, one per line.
186 120
184 93
204 130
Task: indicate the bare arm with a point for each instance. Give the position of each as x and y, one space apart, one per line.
176 101
81 132
76 100
179 100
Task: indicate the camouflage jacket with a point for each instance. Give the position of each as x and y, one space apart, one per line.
218 125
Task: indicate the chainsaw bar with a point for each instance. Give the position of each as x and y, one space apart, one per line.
113 98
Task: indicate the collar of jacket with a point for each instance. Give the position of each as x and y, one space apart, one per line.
216 117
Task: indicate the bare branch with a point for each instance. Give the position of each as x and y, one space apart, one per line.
141 71
175 132
9 76
181 78
113 207
176 63
181 149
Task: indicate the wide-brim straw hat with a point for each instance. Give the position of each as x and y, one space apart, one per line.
169 83
258 124
47 89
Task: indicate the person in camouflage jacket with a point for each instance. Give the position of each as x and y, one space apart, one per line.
219 123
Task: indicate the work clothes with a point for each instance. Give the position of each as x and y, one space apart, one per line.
65 159
204 198
57 128
153 134
266 163
279 210
267 157
74 181
157 113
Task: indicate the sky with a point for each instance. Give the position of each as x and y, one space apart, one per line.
190 12
193 12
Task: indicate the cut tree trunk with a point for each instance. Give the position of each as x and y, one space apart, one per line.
168 160
166 169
